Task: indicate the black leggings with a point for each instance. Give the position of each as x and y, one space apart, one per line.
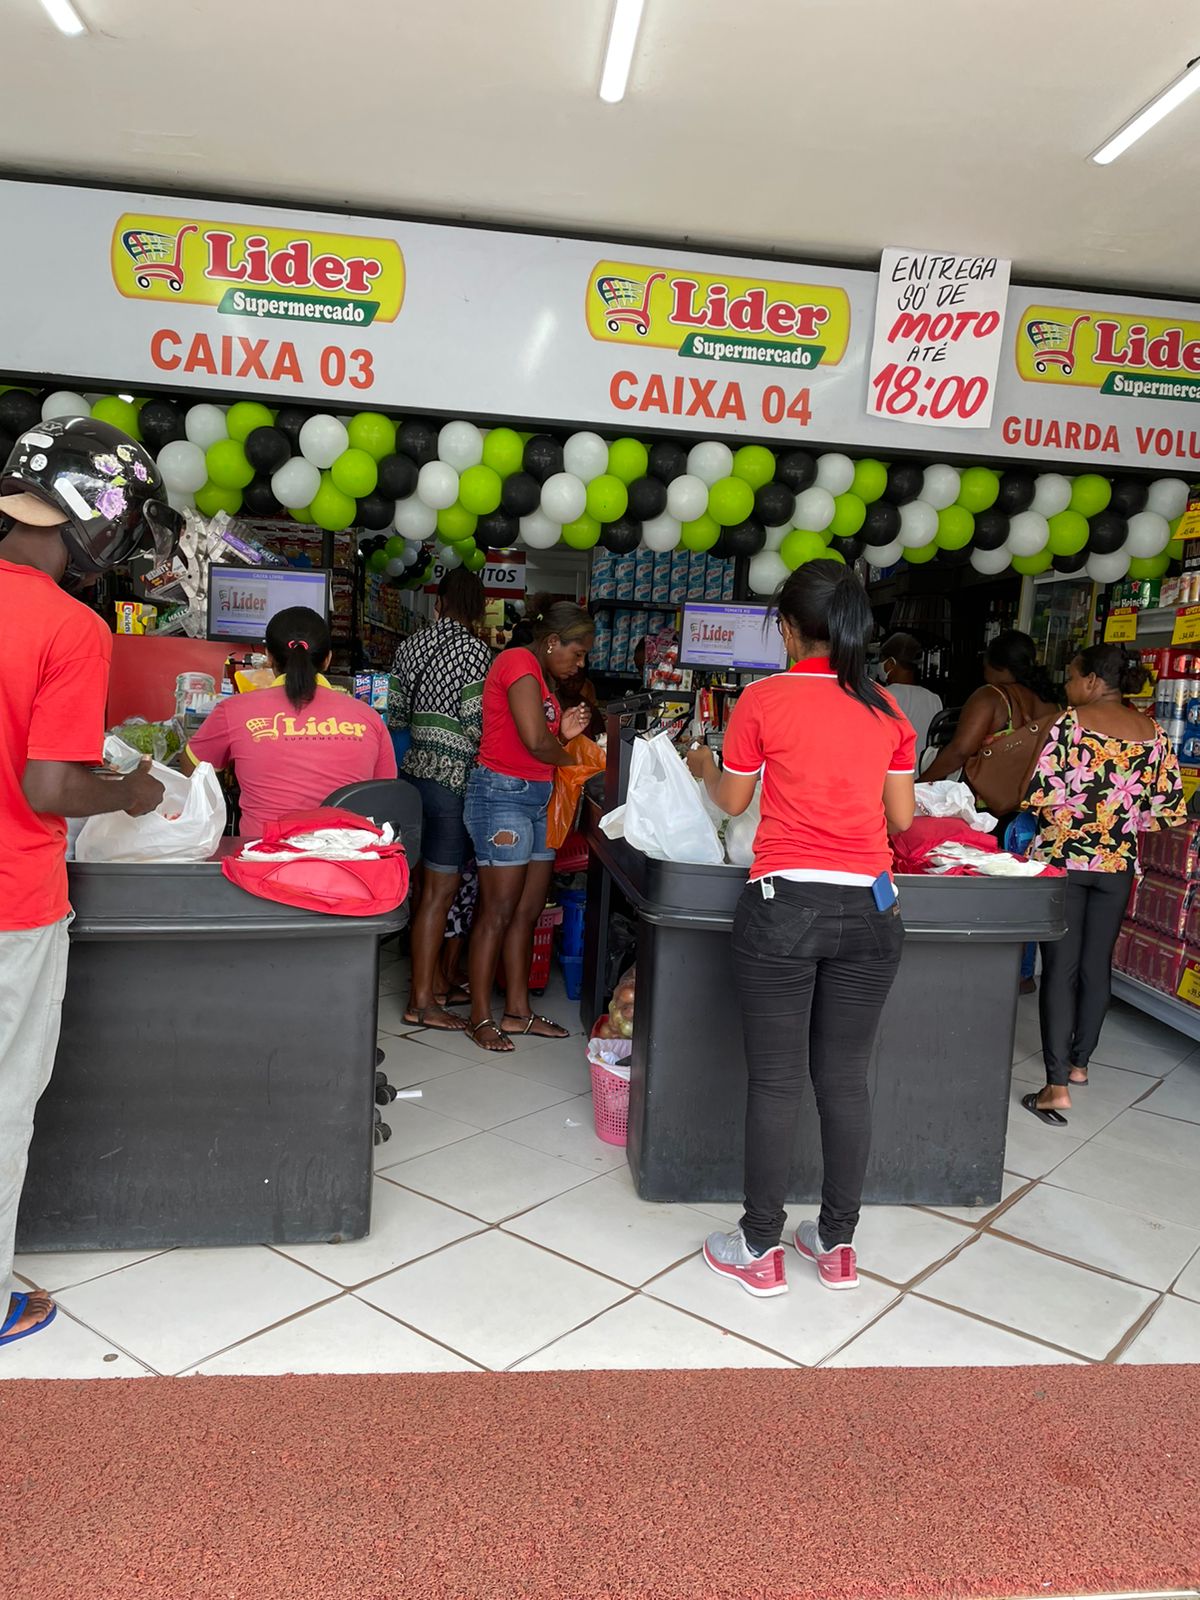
1077 970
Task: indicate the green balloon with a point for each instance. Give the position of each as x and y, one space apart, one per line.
244 416
456 523
301 514
978 488
920 554
607 496
802 545
870 480
378 560
1030 566
581 534
332 509
121 414
730 501
227 464
480 488
1090 493
1177 548
834 555
701 534
394 548
627 460
474 559
849 514
355 473
503 451
1068 533
1149 566
214 497
956 526
373 433
755 465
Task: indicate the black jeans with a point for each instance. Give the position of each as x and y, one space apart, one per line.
1077 970
814 966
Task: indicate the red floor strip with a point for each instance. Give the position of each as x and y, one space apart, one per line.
840 1485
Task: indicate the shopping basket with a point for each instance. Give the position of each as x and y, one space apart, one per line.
610 1091
1054 342
543 951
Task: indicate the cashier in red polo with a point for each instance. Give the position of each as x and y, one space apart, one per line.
817 935
292 745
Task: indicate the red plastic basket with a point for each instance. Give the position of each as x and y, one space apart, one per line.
573 856
610 1101
543 950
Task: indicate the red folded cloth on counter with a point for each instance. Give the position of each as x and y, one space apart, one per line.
911 849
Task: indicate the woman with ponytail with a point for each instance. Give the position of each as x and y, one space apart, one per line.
293 744
817 936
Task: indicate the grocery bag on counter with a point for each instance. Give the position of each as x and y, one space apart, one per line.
740 832
663 815
187 825
325 860
946 798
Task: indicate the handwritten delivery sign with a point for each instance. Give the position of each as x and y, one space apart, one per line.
939 330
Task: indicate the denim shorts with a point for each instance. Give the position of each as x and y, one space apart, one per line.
500 805
445 843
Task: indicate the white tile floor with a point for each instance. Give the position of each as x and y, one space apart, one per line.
506 1236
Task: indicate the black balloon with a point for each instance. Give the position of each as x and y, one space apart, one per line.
881 523
375 511
377 543
904 482
417 440
543 457
1107 531
647 499
621 536
1129 496
397 477
668 461
160 423
520 495
258 500
774 504
496 531
266 448
289 420
850 548
1075 563
1016 492
743 539
991 530
954 558
796 469
19 411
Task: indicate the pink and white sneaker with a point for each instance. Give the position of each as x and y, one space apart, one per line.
730 1255
836 1268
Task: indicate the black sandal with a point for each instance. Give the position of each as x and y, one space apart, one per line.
1078 1083
527 1030
503 1049
1044 1113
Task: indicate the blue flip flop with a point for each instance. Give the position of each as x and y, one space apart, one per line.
16 1312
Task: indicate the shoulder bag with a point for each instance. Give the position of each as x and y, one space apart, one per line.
1000 771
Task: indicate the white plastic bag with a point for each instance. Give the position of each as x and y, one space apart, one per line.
740 832
186 827
663 815
949 799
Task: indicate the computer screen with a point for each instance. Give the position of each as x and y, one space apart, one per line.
739 638
242 600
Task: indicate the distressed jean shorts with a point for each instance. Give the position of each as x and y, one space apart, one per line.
506 818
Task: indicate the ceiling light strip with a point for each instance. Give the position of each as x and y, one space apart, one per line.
618 56
1168 100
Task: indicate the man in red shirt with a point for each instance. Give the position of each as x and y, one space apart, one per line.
72 495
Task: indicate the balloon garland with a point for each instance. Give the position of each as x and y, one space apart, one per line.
404 484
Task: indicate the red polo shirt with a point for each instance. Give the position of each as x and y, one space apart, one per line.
823 757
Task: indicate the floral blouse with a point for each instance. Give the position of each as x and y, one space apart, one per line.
1094 794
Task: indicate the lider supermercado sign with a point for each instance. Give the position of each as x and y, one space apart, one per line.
134 290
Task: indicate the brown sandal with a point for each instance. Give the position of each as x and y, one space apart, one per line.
527 1031
503 1049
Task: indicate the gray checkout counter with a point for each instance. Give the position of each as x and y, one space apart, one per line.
940 1078
215 1075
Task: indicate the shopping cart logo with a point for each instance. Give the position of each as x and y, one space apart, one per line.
627 300
1121 353
157 257
1054 342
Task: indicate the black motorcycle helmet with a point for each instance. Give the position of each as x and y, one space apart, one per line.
102 486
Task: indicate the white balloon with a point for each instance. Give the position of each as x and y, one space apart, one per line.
990 562
708 461
414 519
294 483
394 567
411 555
204 425
1028 532
687 497
776 536
661 532
918 525
538 532
181 502
322 440
437 484
1168 496
939 487
448 557
586 455
884 555
64 403
767 572
834 472
1110 568
564 497
1149 535
183 467
460 444
814 509
1051 494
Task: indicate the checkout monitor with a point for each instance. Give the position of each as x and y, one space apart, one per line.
242 600
730 637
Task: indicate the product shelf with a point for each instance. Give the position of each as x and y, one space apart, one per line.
1162 1007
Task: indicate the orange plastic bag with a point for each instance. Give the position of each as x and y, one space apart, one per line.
568 786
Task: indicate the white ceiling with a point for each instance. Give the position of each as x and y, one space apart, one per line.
807 128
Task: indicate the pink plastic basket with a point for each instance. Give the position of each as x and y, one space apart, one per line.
610 1104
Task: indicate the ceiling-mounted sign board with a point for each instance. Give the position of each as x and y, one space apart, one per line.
939 335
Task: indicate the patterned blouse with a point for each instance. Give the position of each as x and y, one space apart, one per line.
1095 794
438 694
